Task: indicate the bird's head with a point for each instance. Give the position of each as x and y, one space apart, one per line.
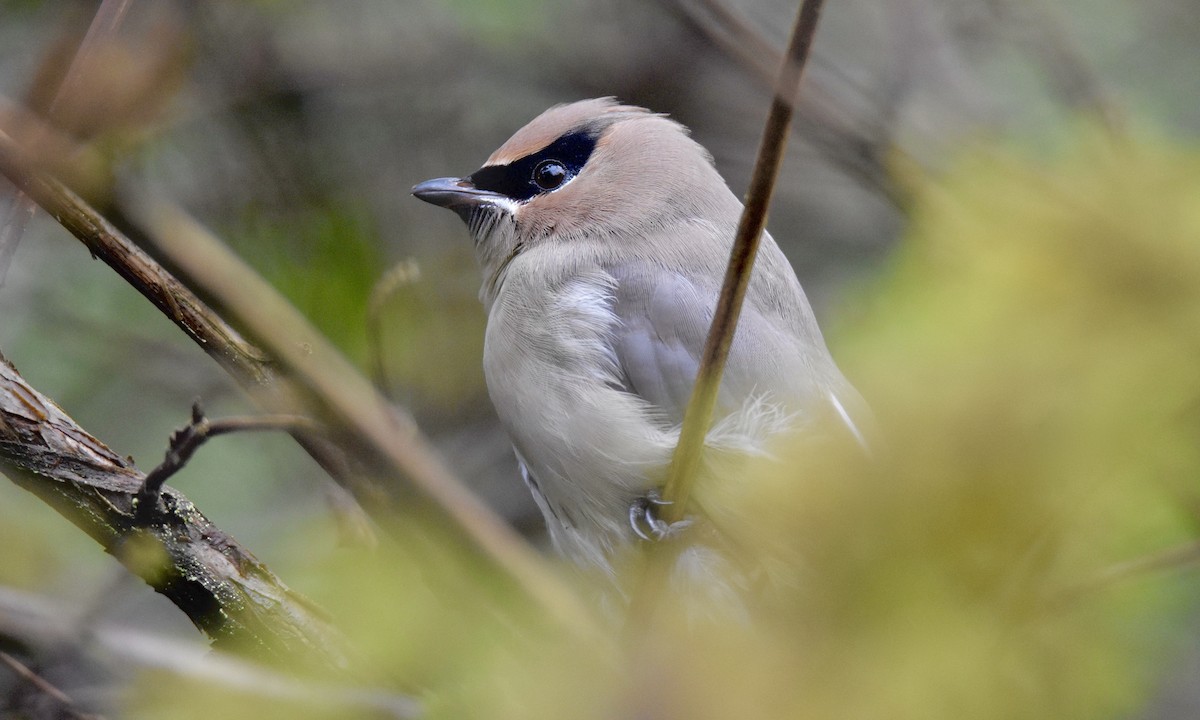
593 174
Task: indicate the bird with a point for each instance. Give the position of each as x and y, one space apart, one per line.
602 232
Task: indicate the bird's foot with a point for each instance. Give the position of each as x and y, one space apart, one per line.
644 520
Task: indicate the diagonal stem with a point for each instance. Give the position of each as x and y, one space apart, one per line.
699 414
104 26
696 420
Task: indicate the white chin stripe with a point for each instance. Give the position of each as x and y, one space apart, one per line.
508 205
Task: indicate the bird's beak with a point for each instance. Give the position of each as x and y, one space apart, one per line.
457 194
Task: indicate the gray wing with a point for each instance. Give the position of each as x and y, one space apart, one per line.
664 320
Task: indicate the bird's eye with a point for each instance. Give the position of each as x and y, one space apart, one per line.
549 174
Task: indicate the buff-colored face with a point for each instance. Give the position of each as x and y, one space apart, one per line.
589 167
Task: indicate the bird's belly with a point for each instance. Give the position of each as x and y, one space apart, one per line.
591 447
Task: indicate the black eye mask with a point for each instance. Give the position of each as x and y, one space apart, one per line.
540 172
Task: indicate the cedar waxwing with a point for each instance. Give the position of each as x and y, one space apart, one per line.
603 232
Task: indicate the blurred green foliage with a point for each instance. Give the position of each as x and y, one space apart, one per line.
503 24
1030 354
20 5
323 257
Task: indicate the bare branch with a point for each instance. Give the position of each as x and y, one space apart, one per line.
185 441
248 365
225 591
106 243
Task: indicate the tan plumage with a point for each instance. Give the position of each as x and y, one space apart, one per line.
599 294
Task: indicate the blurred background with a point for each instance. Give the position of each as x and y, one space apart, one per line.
294 130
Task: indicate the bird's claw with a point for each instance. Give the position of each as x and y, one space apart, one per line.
646 524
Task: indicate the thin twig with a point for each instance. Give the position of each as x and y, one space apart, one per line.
698 417
104 25
109 245
855 145
1180 557
1067 70
65 705
185 441
733 35
401 275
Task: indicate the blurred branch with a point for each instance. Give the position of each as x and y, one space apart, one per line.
36 623
64 707
860 148
1177 558
1067 71
16 217
733 35
401 275
227 593
104 27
